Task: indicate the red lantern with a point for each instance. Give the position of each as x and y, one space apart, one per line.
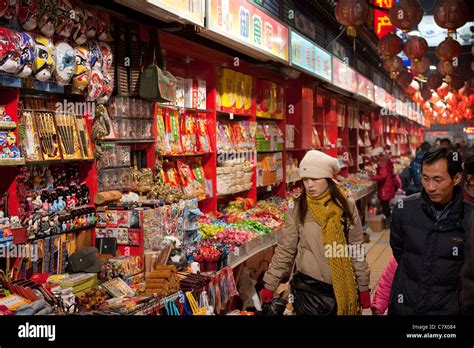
390 45
421 66
446 68
393 65
470 83
404 78
352 13
426 93
451 14
451 99
448 49
435 80
412 88
406 14
443 90
457 82
416 47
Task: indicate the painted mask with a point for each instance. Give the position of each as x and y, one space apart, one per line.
95 55
64 22
94 89
9 51
8 9
107 56
64 63
107 88
91 22
28 14
46 19
79 27
103 26
44 63
82 67
28 54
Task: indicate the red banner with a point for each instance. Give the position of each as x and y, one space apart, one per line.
382 24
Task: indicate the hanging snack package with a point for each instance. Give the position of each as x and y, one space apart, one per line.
162 138
239 92
172 129
171 174
200 179
204 142
248 84
188 135
238 139
187 179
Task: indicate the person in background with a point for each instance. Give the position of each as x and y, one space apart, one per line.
468 185
415 169
386 182
384 287
322 217
437 143
446 143
427 238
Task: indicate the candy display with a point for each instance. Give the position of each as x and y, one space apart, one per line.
269 168
269 137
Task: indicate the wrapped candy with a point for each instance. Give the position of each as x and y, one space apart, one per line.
28 14
9 51
28 54
64 63
47 18
44 63
82 69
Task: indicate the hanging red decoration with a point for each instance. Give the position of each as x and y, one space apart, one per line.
426 93
412 88
457 82
421 66
393 65
416 47
404 78
443 90
435 81
390 45
448 49
406 14
451 14
352 13
446 68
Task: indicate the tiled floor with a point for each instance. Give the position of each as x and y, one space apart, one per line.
378 253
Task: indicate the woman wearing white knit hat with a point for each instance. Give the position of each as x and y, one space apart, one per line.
322 225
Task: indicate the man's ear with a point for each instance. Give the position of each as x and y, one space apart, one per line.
457 179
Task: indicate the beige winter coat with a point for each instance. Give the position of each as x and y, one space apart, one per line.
310 252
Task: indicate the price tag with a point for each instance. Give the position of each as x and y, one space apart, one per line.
231 115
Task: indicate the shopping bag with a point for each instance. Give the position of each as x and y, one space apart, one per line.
204 303
194 306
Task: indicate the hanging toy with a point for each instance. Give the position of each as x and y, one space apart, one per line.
65 57
28 54
9 51
64 21
47 18
91 22
82 68
8 9
95 55
44 63
79 29
28 14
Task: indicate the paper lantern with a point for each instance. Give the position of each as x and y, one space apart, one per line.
404 78
451 14
412 88
426 93
421 66
393 65
406 14
435 80
352 13
390 45
446 68
443 90
457 82
416 47
448 49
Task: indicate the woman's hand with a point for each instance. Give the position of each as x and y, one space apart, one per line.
364 299
266 296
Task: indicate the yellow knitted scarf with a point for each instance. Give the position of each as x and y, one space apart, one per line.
328 215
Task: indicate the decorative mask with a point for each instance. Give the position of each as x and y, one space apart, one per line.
9 51
107 88
44 63
95 55
94 89
79 27
82 68
28 54
64 63
28 14
64 22
8 9
103 26
91 22
47 18
107 56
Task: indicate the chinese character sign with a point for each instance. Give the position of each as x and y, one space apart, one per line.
382 24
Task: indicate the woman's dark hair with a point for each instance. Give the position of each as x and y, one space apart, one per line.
469 165
336 196
453 158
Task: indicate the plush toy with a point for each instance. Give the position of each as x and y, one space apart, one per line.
44 63
47 18
64 63
64 20
28 54
9 51
79 29
28 14
82 68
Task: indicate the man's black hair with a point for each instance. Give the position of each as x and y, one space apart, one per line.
425 146
453 158
446 140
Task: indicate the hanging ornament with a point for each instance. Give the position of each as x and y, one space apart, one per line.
451 14
393 65
404 78
352 13
421 66
443 90
435 80
426 93
406 14
390 45
448 49
457 82
446 68
416 47
412 88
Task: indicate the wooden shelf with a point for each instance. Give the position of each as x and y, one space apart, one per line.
62 161
269 151
296 150
222 113
232 193
130 141
187 155
7 125
186 109
11 162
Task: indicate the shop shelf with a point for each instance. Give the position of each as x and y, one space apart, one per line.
296 150
187 154
269 238
11 162
7 125
62 161
130 141
253 244
269 151
224 113
232 193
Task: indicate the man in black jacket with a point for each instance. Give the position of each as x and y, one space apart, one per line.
427 240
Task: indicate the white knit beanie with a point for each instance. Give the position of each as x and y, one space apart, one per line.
317 165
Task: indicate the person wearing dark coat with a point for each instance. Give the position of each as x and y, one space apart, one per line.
428 233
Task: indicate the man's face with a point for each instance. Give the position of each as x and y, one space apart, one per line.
437 182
